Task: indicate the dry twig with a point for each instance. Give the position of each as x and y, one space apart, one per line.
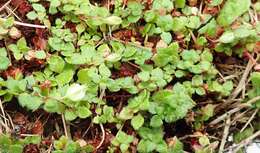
250 120
225 135
7 3
234 110
103 136
242 81
25 24
66 132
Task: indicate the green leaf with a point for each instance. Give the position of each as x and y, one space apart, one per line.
156 121
76 92
162 5
200 91
70 115
177 146
36 139
193 22
38 7
206 56
76 59
255 79
3 52
209 28
9 22
29 101
166 37
215 2
207 111
22 45
240 136
16 148
137 121
227 37
197 80
123 138
83 112
180 3
124 147
178 23
232 10
40 54
149 16
65 77
167 55
32 15
112 20
203 140
104 71
172 105
4 63
190 55
53 106
144 75
56 63
72 147
55 3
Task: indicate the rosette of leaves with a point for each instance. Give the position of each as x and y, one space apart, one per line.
152 141
66 145
82 10
62 40
170 105
132 13
245 35
123 141
39 12
10 144
70 100
138 55
5 26
153 79
135 104
19 49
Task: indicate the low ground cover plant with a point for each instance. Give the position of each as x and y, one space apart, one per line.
167 76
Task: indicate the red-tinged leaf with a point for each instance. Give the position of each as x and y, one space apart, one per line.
39 43
19 119
31 148
37 128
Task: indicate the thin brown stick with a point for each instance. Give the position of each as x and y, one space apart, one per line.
11 121
7 3
242 81
234 110
103 137
29 135
4 117
50 148
102 94
250 120
85 133
239 116
64 125
225 135
12 12
25 24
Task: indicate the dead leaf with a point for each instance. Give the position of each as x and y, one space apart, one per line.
37 128
20 119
